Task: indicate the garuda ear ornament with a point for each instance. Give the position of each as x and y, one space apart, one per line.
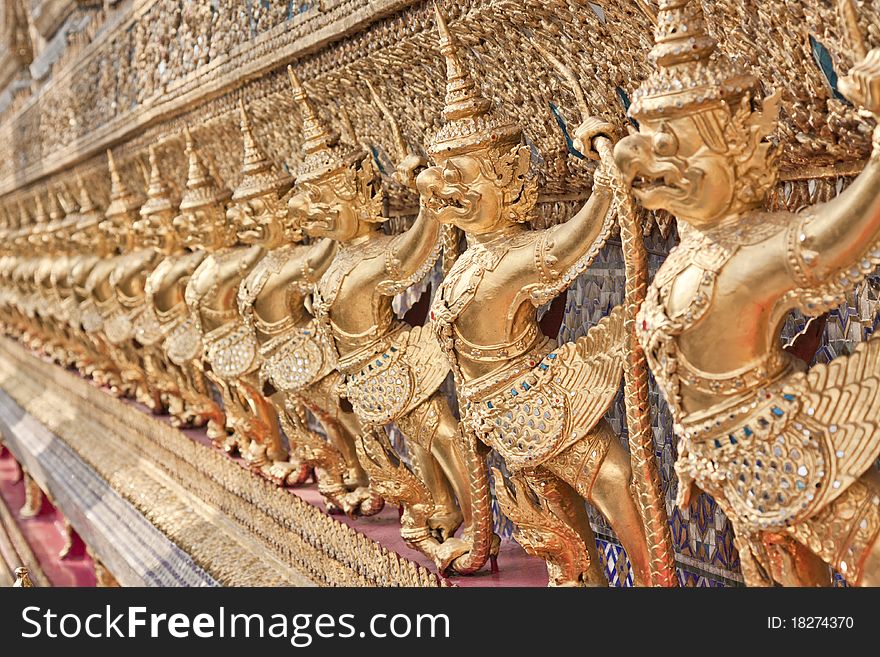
370 196
512 175
753 157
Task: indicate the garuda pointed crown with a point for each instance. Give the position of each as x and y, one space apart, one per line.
24 217
12 217
690 73
41 217
40 221
324 153
70 209
470 120
158 196
201 188
260 175
122 201
56 212
89 214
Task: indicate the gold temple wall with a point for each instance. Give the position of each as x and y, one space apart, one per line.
139 80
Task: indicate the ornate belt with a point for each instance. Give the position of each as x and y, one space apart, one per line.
765 462
494 353
730 383
357 360
477 390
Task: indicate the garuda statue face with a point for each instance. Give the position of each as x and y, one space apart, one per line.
202 227
320 211
257 220
700 167
144 234
701 151
257 214
340 204
672 168
185 225
480 191
461 191
201 221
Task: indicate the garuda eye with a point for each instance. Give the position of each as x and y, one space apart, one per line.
665 142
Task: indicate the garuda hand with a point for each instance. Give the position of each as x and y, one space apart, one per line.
862 84
586 132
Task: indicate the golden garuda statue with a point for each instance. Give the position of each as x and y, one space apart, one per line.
92 247
256 214
27 275
298 362
8 254
21 252
391 372
15 247
158 241
115 288
69 346
181 379
44 247
539 404
786 451
51 279
202 229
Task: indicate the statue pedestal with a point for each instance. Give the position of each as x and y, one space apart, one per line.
163 507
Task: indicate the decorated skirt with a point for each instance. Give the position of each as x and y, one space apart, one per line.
297 359
786 453
147 329
394 375
232 350
553 399
119 327
184 342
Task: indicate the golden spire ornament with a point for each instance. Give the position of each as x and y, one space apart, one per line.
259 175
158 199
690 73
323 152
24 216
122 201
40 214
471 121
56 212
201 187
84 198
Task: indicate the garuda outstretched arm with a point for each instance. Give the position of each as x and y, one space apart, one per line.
834 245
411 255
